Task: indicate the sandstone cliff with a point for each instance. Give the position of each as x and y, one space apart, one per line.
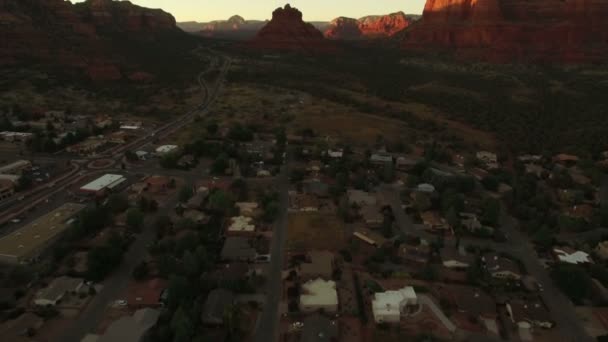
367 27
569 31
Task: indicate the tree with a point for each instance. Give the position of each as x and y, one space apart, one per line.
141 271
185 193
131 156
491 212
271 211
220 165
182 326
212 127
191 264
117 203
180 292
135 219
240 189
573 281
220 201
102 260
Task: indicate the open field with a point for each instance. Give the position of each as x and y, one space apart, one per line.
308 231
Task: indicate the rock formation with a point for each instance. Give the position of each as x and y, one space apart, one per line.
81 36
236 27
569 31
287 31
377 26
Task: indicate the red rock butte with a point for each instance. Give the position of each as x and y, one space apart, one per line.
287 31
367 27
570 31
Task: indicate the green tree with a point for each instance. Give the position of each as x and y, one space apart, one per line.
135 219
220 165
191 264
220 201
182 326
117 203
185 193
271 211
141 271
491 212
573 281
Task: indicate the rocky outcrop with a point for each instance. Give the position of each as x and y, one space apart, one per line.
81 36
570 31
236 27
378 26
287 31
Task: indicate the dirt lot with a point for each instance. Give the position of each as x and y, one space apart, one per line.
307 231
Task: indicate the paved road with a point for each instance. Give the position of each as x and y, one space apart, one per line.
268 328
519 246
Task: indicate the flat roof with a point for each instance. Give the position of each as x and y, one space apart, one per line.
31 237
108 181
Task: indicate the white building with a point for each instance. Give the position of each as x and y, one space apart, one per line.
241 224
319 294
166 149
105 182
335 153
571 256
387 306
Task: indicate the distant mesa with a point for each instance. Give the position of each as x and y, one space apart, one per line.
571 31
236 27
288 31
377 26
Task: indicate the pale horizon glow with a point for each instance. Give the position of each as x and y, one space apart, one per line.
313 10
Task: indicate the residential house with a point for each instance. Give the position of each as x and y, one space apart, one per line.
417 255
7 189
57 290
238 249
388 306
566 159
456 258
601 250
16 136
196 201
248 209
361 198
489 159
372 216
318 295
531 313
529 158
148 294
433 221
241 224
318 328
217 303
321 265
370 237
335 153
406 164
571 256
20 328
381 159
425 188
500 267
131 328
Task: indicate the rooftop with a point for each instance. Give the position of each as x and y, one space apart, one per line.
571 256
58 287
28 239
241 224
237 248
131 328
108 181
319 292
146 293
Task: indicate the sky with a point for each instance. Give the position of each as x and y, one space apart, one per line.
313 10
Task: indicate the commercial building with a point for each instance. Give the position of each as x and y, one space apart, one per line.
387 306
57 289
28 242
318 295
103 183
16 168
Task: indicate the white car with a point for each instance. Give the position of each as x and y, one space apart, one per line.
121 302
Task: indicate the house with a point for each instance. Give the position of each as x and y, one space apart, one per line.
318 295
456 258
406 164
57 289
20 328
582 211
571 256
241 224
196 201
166 149
381 159
388 306
16 168
131 328
567 159
247 208
318 328
529 158
321 265
335 154
500 267
488 158
433 221
529 313
372 216
370 237
361 198
314 166
217 303
237 249
601 250
7 189
425 188
195 216
417 255
148 294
